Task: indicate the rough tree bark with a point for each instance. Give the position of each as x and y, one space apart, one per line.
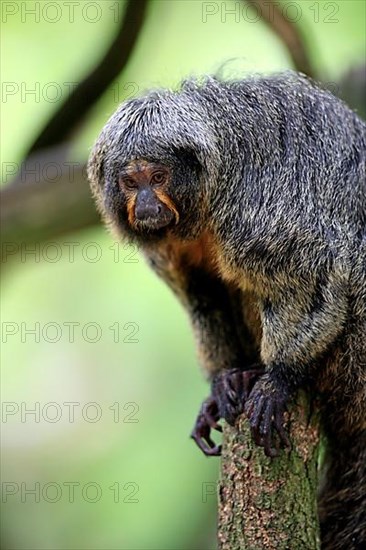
271 503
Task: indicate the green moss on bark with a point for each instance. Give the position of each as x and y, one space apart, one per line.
270 503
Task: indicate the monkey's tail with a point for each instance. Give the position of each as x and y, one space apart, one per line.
342 505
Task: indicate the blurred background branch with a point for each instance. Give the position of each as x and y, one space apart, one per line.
35 209
289 33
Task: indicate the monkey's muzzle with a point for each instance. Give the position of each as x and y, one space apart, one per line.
151 213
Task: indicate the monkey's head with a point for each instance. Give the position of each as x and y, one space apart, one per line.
150 167
148 205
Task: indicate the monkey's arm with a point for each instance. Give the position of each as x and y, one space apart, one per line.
225 345
218 326
298 327
222 336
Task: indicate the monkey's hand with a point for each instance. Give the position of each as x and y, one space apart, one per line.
230 390
265 409
206 420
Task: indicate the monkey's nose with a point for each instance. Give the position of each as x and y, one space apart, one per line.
147 205
148 210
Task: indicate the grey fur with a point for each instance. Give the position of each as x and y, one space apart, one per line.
274 169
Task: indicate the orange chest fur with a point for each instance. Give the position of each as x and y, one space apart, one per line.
201 253
205 253
208 254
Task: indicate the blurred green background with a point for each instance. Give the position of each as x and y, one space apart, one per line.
139 481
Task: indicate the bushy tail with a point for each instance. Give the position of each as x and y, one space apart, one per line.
343 498
342 503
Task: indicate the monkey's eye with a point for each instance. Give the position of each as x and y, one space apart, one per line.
129 183
157 178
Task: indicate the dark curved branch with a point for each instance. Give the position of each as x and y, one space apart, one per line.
83 97
288 32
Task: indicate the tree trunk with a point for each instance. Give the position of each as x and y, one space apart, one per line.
271 503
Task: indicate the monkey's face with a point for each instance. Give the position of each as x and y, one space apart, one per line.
144 186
